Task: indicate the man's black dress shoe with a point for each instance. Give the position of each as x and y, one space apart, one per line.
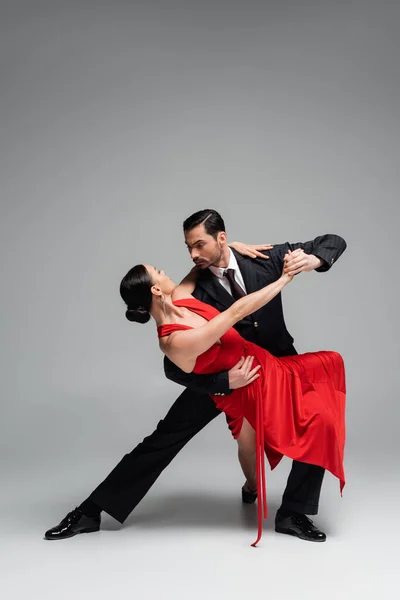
248 496
75 522
299 526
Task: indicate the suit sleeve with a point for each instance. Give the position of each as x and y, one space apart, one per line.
328 248
216 383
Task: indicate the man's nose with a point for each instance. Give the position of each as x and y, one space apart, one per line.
194 254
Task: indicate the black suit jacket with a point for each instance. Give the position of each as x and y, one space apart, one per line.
266 327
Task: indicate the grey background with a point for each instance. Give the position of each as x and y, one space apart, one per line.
118 120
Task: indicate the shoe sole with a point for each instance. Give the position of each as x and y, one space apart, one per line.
295 534
66 537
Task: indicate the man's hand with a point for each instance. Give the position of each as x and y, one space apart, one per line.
298 261
252 250
242 374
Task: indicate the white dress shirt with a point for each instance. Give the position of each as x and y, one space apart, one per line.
219 273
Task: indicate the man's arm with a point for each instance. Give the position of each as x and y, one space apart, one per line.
319 254
216 383
328 248
221 383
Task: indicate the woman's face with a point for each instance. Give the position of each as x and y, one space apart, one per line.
160 279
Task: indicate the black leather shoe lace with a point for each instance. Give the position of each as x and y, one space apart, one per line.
73 516
303 520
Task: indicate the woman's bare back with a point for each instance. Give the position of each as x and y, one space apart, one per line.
190 319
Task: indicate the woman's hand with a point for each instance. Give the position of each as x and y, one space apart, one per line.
300 262
252 250
287 274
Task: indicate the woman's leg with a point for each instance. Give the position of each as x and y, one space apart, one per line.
247 455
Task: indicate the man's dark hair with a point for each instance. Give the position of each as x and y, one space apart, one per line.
212 221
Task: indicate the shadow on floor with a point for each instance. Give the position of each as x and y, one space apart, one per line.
194 510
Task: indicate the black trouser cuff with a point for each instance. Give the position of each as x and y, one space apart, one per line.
298 507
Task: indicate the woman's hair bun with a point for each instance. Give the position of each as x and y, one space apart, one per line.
135 291
137 314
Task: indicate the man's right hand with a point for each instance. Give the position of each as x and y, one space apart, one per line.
242 374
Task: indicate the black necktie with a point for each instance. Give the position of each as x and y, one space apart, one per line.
236 290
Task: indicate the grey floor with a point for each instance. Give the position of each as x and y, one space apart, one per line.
190 537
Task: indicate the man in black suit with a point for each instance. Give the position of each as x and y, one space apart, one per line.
225 276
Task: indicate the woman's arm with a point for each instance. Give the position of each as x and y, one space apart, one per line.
183 347
252 250
187 285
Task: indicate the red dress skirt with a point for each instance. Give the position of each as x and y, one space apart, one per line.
296 406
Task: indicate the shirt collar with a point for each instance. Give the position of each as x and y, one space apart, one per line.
219 271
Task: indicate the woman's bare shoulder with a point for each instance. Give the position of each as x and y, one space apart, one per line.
180 293
171 346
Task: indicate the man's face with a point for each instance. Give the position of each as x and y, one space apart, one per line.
203 248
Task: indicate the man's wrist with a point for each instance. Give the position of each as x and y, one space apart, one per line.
318 262
223 383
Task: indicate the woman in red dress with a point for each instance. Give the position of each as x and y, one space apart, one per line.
295 406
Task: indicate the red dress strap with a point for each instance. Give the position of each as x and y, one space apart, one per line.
164 330
204 310
260 466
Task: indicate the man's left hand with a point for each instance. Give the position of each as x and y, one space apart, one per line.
252 250
298 262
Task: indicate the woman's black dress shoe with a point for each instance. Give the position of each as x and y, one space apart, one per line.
248 496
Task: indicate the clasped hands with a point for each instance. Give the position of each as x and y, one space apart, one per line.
298 262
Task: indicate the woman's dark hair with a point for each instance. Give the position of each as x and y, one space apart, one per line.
135 290
212 221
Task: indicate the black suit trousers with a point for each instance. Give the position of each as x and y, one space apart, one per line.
133 476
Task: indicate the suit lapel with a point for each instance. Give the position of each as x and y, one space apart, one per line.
212 286
248 272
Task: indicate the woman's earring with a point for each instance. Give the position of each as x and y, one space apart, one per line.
163 305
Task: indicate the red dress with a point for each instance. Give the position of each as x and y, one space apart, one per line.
296 406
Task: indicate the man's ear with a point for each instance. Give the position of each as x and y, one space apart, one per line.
221 237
